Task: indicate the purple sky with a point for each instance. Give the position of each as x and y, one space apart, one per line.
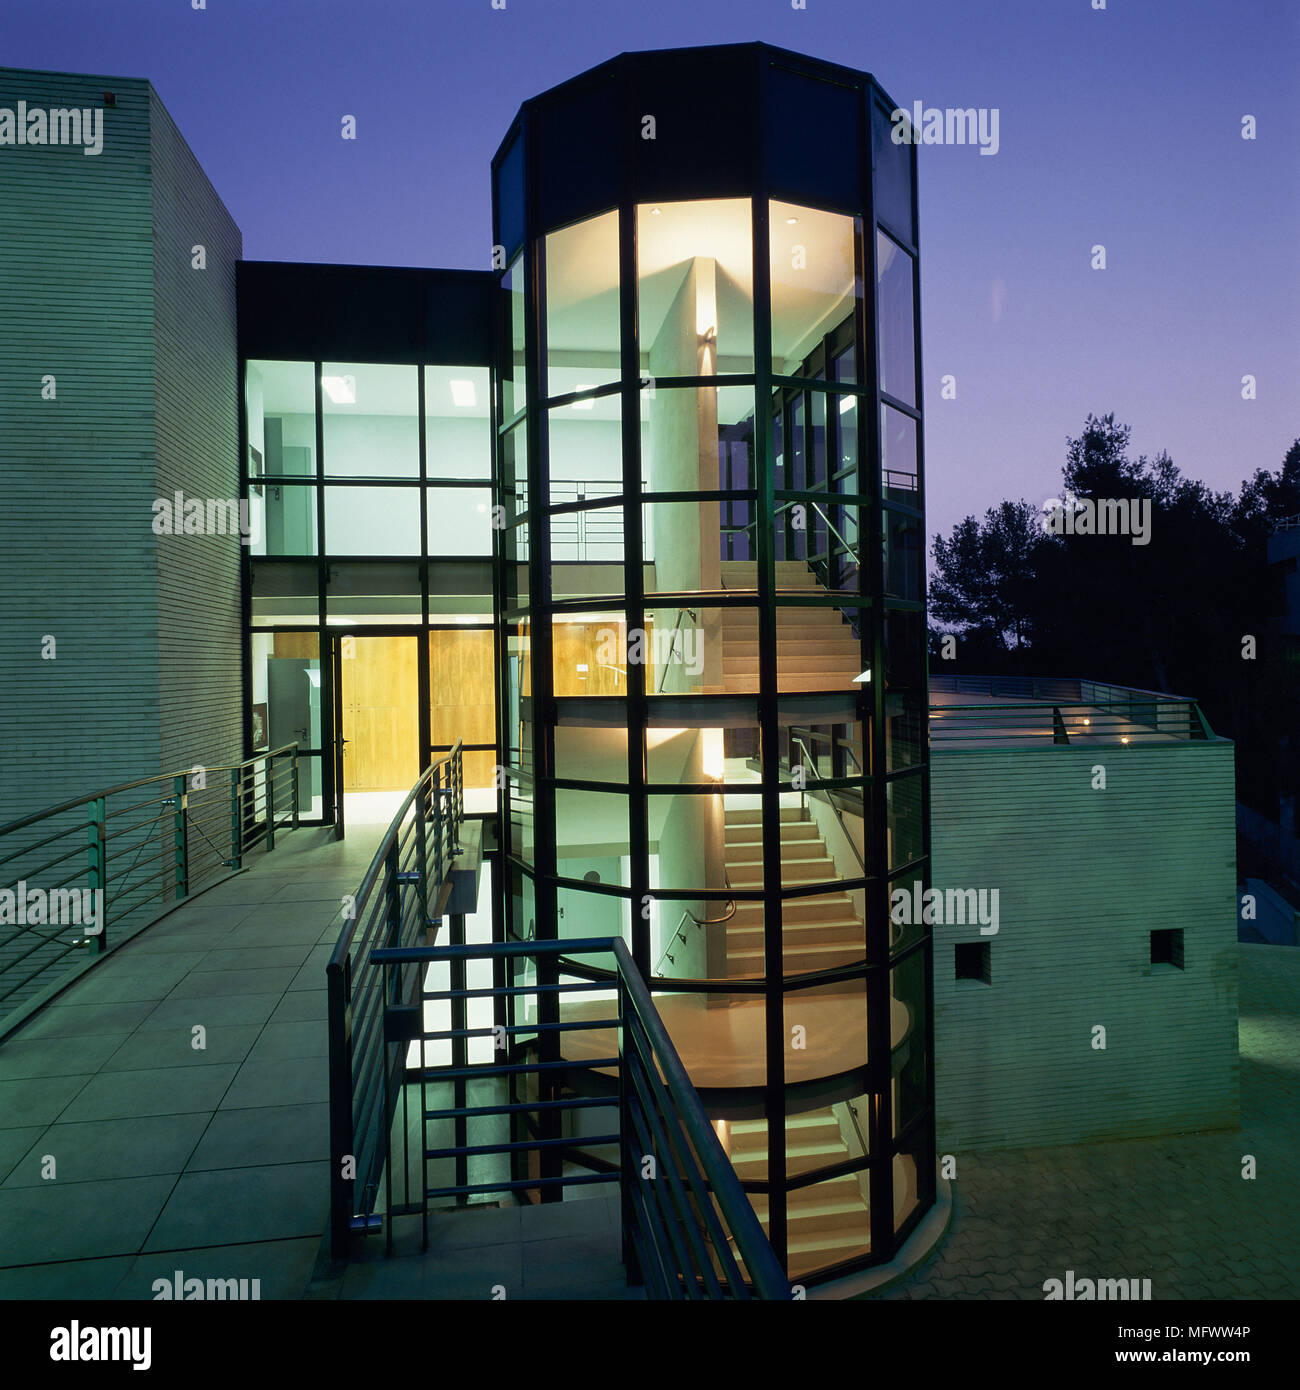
1119 126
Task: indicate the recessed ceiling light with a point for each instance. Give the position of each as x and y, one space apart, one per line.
654 212
463 394
340 389
790 221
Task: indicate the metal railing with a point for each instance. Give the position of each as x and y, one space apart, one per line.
689 1232
1060 711
701 922
110 863
672 646
810 766
401 897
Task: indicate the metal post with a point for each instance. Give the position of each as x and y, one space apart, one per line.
181 834
338 985
629 1170
270 805
236 828
295 789
98 868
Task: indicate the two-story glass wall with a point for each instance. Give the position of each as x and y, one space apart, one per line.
711 621
370 590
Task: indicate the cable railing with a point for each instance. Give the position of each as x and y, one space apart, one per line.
401 898
102 867
688 1230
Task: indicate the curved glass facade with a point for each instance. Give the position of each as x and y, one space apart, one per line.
711 585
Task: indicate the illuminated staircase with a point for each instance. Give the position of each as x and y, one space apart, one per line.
816 648
818 932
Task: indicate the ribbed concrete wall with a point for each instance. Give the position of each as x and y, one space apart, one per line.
77 471
196 440
1084 876
98 292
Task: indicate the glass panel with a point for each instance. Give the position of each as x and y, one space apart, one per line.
373 593
582 305
372 521
827 1224
905 650
586 449
829 744
720 1037
372 427
691 551
580 913
831 1036
460 521
844 414
285 594
589 654
514 471
282 518
462 695
701 650
905 830
690 837
695 287
895 314
817 845
904 556
280 398
818 647
698 742
904 730
591 742
822 932
818 545
913 1176
898 467
286 677
522 817
588 535
513 385
910 1095
893 173
680 420
457 414
906 911
591 833
813 280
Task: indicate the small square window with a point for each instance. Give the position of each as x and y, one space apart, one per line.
974 961
1167 947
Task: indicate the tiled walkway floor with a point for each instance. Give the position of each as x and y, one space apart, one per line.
161 1146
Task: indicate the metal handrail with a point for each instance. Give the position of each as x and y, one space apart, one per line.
812 770
175 827
685 1213
672 646
361 1077
830 526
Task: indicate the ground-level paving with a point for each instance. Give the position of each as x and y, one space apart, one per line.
214 1160
1177 1210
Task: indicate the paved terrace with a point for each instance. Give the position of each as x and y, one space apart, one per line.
214 1162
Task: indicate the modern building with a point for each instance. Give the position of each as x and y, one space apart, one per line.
636 518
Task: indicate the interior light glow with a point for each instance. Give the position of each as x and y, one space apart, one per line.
864 678
340 389
463 394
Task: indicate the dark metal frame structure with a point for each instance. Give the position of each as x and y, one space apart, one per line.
536 192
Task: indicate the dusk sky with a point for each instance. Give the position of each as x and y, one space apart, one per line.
1120 126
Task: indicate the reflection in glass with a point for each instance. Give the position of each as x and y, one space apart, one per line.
895 312
582 313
